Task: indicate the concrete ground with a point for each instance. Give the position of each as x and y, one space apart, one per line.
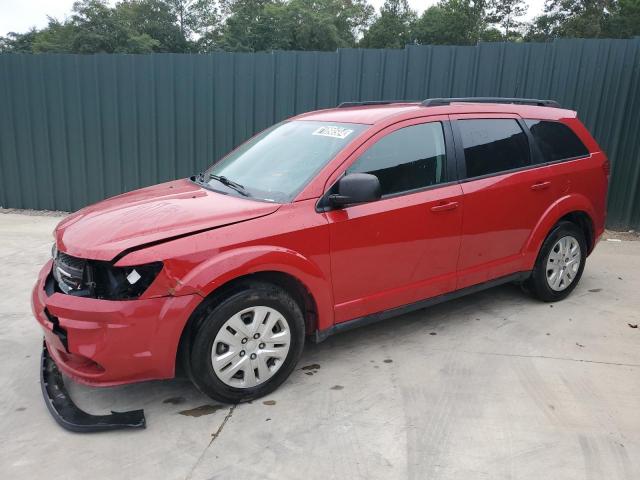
492 386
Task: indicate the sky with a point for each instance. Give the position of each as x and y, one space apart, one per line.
20 15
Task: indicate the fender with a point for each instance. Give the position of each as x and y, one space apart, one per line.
569 203
229 265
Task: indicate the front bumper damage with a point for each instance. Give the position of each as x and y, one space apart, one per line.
67 413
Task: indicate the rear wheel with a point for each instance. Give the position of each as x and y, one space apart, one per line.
560 263
248 344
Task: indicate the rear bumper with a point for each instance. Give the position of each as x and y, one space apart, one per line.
104 342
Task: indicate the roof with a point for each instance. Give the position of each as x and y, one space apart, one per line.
373 114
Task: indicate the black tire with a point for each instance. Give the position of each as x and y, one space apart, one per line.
212 318
538 284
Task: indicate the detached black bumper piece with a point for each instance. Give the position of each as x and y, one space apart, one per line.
67 413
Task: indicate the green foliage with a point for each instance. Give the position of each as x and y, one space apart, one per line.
394 28
453 22
18 42
145 26
506 14
625 22
586 19
153 19
259 25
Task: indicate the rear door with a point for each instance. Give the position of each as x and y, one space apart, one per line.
403 247
505 194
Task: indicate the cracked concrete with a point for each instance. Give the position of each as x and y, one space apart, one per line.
502 391
214 435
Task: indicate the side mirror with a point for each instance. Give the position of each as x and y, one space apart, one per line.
356 188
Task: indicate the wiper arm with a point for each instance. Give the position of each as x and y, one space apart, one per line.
230 183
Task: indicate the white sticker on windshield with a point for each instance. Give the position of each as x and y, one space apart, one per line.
333 131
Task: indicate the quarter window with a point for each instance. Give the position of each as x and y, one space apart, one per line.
493 145
407 159
556 141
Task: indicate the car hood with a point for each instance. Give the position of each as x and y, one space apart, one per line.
103 230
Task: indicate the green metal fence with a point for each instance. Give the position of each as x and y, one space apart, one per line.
75 129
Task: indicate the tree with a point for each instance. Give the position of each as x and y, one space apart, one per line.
94 27
352 18
58 37
18 42
131 26
573 18
249 25
259 25
624 22
206 25
143 26
438 25
153 18
453 22
505 13
393 28
186 13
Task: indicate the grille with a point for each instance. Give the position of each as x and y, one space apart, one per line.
69 272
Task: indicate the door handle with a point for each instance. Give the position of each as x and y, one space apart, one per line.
541 185
443 207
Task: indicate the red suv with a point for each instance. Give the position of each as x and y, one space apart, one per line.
326 221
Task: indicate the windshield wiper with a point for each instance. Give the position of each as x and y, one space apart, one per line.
230 183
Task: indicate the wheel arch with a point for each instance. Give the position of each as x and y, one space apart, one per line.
225 274
574 208
585 223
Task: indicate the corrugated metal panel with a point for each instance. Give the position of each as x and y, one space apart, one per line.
75 129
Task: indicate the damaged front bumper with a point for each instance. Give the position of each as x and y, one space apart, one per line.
106 342
67 413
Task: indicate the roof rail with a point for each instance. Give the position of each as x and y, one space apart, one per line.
434 102
372 102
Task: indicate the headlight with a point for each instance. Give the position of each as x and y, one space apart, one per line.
97 279
120 283
54 250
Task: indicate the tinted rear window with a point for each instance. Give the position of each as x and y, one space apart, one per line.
493 145
556 141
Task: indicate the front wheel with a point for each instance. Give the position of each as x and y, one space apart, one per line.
560 263
248 344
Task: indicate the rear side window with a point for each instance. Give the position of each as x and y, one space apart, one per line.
493 145
407 159
556 141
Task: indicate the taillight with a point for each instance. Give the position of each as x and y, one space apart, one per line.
606 167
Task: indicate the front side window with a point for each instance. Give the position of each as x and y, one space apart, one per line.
277 163
493 145
555 140
406 159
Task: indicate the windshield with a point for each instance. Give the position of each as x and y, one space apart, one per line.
277 163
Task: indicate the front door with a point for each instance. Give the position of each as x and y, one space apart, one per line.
403 247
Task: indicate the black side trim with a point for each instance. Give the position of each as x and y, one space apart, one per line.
393 312
68 415
535 155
